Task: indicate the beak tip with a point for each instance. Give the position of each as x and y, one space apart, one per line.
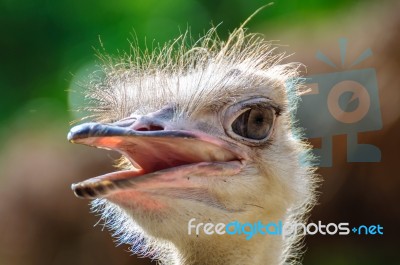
70 137
77 191
80 131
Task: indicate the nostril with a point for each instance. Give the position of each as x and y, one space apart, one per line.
156 128
150 128
146 123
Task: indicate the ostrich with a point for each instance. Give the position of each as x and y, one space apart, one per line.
205 132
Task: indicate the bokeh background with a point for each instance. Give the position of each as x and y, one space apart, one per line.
46 47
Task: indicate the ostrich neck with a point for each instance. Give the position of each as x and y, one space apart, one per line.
231 249
260 249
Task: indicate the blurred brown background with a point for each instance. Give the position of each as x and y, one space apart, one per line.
42 43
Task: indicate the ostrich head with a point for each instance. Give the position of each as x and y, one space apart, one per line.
205 132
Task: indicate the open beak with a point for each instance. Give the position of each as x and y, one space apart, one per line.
160 158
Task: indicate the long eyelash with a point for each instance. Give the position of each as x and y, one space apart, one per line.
263 105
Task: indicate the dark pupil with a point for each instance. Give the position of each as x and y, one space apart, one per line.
259 119
253 124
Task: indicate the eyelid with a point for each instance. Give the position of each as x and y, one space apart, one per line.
239 109
264 105
240 112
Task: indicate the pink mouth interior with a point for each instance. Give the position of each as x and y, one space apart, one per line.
151 154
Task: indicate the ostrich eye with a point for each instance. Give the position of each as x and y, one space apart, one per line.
254 124
251 121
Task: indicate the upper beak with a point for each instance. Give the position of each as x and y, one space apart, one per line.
160 154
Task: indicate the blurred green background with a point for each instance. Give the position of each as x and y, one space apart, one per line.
46 47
